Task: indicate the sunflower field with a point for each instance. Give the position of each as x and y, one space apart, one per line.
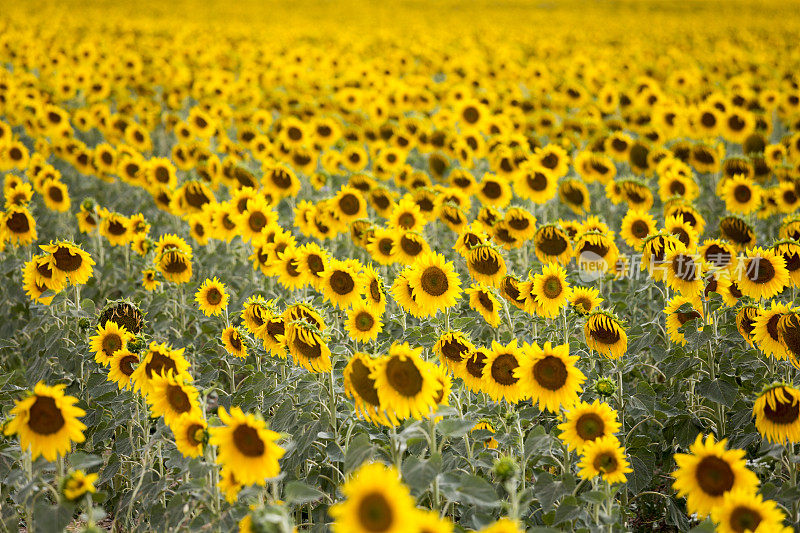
400 267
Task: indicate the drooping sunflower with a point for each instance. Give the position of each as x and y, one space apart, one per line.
476 361
233 342
452 349
159 359
121 367
212 297
654 253
404 294
574 194
737 232
124 313
552 244
709 471
551 290
69 259
604 333
637 225
246 447
171 396
789 333
360 385
596 252
677 318
604 457
500 381
585 423
406 387
483 300
777 413
765 329
308 348
681 229
745 322
375 500
109 339
549 376
46 422
585 299
340 283
372 288
190 430
175 265
486 264
718 254
762 274
790 251
435 283
743 510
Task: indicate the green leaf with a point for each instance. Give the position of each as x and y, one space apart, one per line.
419 473
477 491
568 510
722 390
455 427
298 493
359 450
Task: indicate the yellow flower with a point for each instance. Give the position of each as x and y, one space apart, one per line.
77 483
549 376
604 457
212 297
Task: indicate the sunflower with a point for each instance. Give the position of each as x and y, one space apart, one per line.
681 229
124 314
585 423
549 376
375 500
158 360
109 339
70 260
585 299
777 412
311 262
77 484
363 323
229 485
359 385
406 386
494 191
741 195
535 183
56 196
745 322
504 525
551 244
789 333
743 510
718 254
175 265
246 447
372 287
46 422
737 232
407 216
790 251
409 247
596 252
404 294
604 457
574 194
677 184
253 221
637 225
690 214
473 375
654 253
233 342
170 396
191 433
435 284
708 472
500 381
485 264
483 300
37 279
762 274
551 290
452 349
121 367
684 271
604 333
429 522
307 346
489 442
340 283
212 297
677 318
765 329
350 204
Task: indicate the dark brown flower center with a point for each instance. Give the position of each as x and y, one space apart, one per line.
45 416
126 364
475 364
454 350
603 334
213 296
640 229
363 384
159 364
364 321
66 261
503 369
111 343
605 462
178 399
744 518
404 376
434 281
349 204
552 287
590 426
342 282
257 221
375 513
742 193
550 373
248 441
714 476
